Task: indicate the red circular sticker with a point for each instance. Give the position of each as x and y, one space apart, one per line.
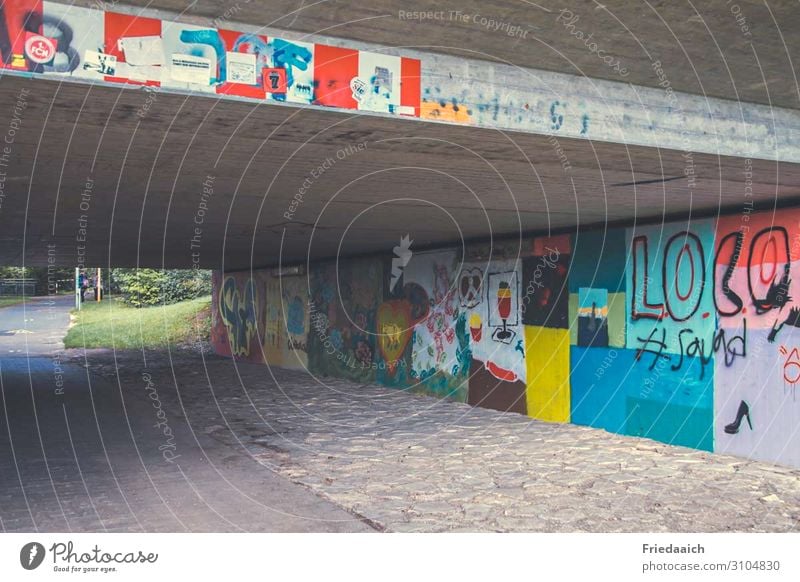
39 49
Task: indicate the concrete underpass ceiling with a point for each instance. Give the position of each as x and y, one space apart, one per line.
741 50
436 182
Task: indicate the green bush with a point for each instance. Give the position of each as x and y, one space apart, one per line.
143 287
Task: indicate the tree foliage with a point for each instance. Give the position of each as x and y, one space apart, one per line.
143 287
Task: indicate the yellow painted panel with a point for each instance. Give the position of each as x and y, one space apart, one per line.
446 112
617 314
547 367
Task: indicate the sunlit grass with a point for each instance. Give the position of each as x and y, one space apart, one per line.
112 324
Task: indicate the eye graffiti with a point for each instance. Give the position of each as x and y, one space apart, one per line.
239 312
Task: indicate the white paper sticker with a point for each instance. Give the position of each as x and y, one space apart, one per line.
241 68
359 88
100 63
150 73
142 51
190 69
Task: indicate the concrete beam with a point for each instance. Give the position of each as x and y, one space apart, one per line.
508 98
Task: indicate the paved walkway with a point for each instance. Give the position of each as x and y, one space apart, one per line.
410 463
84 452
34 327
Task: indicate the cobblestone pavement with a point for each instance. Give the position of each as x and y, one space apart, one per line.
91 459
411 463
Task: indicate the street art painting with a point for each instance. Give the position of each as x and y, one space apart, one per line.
408 305
19 21
685 333
545 312
295 316
194 57
669 288
671 324
246 55
592 317
77 33
599 365
490 294
367 81
545 299
336 67
51 38
54 39
296 60
287 321
440 356
238 304
342 312
275 326
757 272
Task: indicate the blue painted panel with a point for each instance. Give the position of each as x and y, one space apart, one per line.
613 390
598 260
598 387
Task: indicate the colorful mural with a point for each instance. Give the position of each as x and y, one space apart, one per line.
48 38
757 269
287 321
239 305
342 314
489 292
440 355
686 333
295 317
395 324
545 312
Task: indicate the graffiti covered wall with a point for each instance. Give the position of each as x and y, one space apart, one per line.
342 314
687 333
239 307
59 40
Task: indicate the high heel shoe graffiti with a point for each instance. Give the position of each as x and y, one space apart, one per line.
743 412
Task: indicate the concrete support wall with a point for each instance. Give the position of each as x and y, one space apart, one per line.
673 332
164 50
